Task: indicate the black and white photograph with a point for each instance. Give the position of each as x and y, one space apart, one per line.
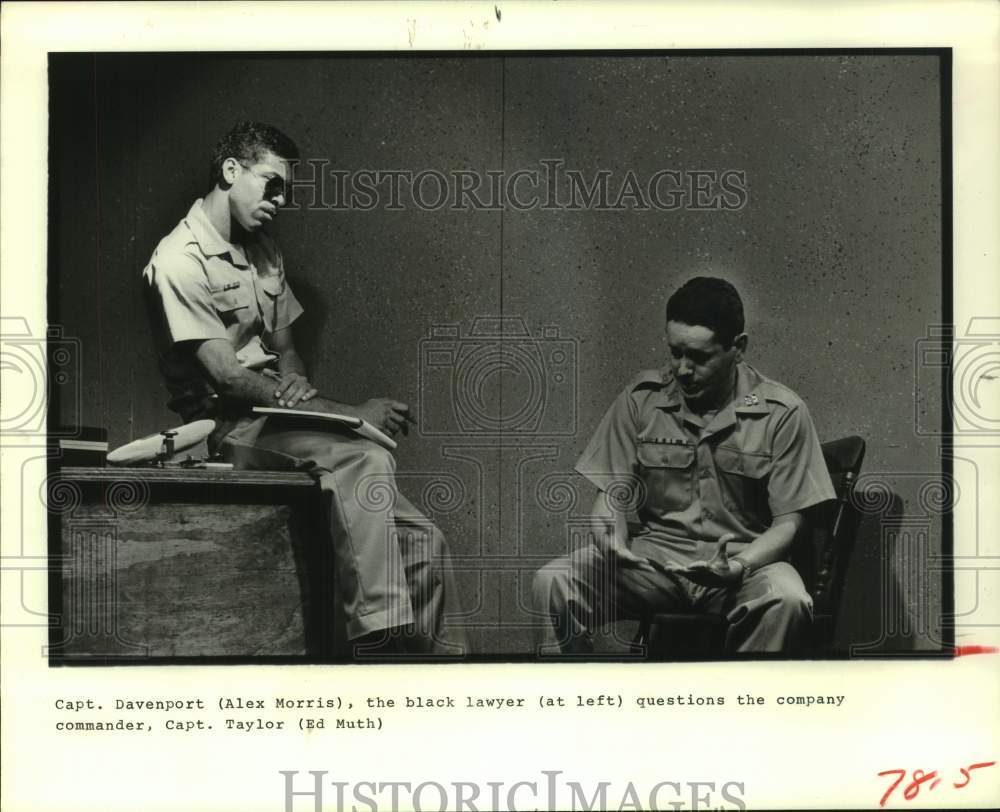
438 380
634 338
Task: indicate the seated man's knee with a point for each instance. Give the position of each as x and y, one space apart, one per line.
790 595
360 459
374 457
368 470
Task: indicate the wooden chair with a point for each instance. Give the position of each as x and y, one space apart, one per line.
821 557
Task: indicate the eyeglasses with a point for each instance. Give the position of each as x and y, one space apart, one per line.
274 185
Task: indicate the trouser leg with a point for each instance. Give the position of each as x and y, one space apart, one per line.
430 579
373 558
770 612
587 590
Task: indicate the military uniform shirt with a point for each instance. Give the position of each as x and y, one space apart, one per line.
199 287
696 479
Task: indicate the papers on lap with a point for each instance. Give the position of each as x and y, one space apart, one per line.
356 424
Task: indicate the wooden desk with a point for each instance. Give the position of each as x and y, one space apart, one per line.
184 563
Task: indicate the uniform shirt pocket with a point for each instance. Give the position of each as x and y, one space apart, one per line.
743 480
273 285
667 471
230 302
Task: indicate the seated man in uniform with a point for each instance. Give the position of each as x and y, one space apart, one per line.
718 464
223 315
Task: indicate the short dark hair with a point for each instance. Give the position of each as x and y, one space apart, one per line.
708 302
247 141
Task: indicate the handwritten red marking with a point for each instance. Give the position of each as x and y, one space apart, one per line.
919 778
896 783
966 651
966 770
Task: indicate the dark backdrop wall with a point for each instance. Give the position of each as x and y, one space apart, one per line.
837 253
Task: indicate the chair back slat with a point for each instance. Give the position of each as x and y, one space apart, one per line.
822 555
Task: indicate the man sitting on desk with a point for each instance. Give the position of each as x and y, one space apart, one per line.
222 314
719 462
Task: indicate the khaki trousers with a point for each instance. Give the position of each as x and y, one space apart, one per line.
769 612
393 565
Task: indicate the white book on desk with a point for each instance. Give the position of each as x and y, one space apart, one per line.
356 424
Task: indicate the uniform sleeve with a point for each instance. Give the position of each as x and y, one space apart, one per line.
180 287
286 307
799 477
610 456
